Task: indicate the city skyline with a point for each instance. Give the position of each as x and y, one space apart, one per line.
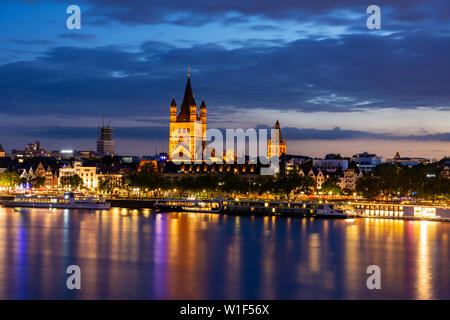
335 86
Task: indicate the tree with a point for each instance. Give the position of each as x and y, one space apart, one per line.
368 186
72 182
287 184
205 182
37 182
9 179
231 184
184 184
148 180
261 185
106 185
331 184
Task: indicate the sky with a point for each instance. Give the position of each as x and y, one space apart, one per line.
334 85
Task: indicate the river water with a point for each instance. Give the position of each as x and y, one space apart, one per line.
131 254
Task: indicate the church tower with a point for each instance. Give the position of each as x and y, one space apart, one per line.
274 150
187 127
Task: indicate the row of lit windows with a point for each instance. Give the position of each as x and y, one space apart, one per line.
382 213
380 207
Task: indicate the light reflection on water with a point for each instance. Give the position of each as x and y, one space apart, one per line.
126 254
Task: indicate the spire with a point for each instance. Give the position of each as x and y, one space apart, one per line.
188 101
173 104
203 105
277 127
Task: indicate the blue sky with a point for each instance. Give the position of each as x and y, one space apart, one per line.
334 85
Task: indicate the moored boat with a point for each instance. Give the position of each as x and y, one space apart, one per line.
68 201
185 205
244 207
319 210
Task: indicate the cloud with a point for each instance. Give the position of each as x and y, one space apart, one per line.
37 42
162 133
339 134
81 37
237 11
352 73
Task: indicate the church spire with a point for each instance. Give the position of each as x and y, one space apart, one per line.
188 100
173 104
277 127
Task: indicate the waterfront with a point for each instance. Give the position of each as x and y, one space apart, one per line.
126 254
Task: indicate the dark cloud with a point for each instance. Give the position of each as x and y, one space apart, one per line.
67 133
38 42
354 72
162 133
338 134
205 11
81 37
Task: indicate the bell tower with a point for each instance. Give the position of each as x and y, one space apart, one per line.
186 123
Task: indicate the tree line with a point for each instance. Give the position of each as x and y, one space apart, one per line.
389 181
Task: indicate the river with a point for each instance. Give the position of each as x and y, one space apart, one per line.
131 254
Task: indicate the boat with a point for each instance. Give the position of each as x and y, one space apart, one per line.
402 211
68 201
186 205
299 209
256 208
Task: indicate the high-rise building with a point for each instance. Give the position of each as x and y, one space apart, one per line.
105 142
187 127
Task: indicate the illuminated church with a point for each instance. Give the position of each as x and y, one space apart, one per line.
186 126
276 150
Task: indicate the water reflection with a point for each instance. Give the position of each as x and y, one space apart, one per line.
126 254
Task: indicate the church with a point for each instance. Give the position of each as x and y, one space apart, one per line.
187 126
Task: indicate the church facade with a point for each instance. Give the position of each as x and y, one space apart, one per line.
187 136
187 127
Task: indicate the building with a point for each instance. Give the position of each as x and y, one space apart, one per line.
187 128
40 171
276 150
105 142
348 178
151 165
87 174
114 180
408 161
293 162
247 171
330 164
2 152
31 150
317 174
51 178
366 161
